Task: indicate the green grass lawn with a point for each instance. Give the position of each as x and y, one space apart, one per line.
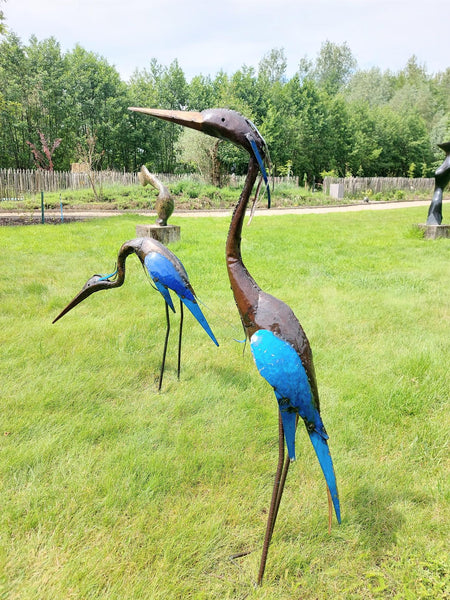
111 490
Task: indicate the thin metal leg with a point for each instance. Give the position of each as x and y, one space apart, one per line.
287 462
165 347
179 338
275 502
282 482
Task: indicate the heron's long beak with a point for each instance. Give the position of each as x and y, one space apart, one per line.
94 284
187 118
78 298
238 130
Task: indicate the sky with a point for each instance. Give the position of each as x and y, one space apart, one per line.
208 36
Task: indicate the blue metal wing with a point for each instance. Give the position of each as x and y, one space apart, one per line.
281 366
166 277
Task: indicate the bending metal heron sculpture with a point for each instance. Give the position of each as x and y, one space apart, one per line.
164 202
167 273
278 343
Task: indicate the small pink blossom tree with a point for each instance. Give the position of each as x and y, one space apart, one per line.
43 160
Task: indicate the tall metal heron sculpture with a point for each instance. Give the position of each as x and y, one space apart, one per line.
167 273
279 345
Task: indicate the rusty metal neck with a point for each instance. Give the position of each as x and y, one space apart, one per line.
233 245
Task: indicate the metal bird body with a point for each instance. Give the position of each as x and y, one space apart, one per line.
167 273
275 335
279 345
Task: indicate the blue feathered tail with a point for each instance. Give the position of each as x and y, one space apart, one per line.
323 454
195 310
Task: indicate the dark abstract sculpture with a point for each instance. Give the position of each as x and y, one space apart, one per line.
279 345
441 178
164 202
167 273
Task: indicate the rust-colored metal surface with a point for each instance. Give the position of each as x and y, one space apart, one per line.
164 202
442 179
279 345
218 122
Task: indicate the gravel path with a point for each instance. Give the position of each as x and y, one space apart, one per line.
31 217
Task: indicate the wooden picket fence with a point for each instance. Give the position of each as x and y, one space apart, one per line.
14 183
362 186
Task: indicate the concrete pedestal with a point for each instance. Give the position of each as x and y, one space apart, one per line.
432 232
163 233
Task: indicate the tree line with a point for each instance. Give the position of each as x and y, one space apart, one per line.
328 118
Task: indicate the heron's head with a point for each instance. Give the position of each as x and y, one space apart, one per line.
93 284
221 123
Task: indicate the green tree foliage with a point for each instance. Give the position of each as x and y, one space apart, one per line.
95 99
372 86
155 140
61 96
2 21
334 66
329 116
272 67
201 93
17 103
201 153
46 106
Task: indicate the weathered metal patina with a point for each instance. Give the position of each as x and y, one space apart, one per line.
164 202
279 345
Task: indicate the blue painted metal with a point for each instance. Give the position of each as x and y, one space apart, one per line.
261 166
166 277
281 366
106 277
167 273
